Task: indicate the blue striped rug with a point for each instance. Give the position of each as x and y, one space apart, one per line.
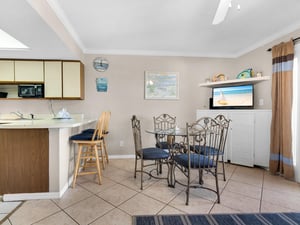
220 219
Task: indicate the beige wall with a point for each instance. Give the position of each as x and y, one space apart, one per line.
125 95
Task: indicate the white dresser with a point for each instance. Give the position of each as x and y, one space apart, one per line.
248 141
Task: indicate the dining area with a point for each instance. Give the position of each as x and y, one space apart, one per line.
187 152
119 198
180 174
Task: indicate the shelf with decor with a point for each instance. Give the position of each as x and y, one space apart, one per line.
251 80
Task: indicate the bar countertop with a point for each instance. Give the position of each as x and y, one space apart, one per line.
43 121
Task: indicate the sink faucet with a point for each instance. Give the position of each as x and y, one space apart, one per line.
20 115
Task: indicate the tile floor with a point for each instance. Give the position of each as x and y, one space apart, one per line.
119 197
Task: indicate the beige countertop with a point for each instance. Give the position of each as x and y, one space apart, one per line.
43 121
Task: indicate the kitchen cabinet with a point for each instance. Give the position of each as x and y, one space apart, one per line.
73 80
61 79
29 71
24 166
53 79
248 141
7 71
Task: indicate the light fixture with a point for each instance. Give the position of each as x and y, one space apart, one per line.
222 11
8 42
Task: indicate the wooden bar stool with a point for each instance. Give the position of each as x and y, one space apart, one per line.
88 146
103 155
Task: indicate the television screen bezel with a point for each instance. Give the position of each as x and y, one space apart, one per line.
233 107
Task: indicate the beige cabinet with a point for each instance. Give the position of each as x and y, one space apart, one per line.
7 71
53 79
29 71
73 80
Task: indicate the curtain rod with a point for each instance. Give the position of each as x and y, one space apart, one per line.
294 40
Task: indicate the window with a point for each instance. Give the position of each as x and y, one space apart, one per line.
296 112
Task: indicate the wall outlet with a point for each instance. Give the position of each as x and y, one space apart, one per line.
121 143
261 101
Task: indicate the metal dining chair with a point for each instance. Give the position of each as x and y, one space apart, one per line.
163 122
207 133
225 123
154 154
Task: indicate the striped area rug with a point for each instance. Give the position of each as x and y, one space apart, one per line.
220 219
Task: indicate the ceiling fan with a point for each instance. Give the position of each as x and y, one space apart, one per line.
221 12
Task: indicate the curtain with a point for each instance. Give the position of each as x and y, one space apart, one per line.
281 156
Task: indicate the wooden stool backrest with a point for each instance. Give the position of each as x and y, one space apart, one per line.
98 133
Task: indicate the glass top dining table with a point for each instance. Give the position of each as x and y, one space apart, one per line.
170 133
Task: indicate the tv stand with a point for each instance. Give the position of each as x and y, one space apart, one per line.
248 141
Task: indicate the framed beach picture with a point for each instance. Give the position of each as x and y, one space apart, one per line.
161 85
101 84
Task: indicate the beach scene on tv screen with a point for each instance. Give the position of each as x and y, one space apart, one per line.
233 96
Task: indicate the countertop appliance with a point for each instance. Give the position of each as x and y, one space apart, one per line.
31 90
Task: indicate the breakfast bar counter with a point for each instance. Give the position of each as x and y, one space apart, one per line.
37 158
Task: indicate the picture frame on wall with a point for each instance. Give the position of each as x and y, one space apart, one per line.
162 85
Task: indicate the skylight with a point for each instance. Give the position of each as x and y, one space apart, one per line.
8 42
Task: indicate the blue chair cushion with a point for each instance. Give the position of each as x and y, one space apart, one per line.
162 145
88 130
205 150
154 153
92 131
197 161
82 137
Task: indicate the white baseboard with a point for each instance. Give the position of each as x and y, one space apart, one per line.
121 156
30 196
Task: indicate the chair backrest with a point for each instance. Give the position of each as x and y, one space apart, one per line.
98 133
163 122
136 130
225 123
107 120
204 137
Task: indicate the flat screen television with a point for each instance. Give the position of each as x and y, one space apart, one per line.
233 97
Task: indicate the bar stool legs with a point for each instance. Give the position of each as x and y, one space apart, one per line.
90 156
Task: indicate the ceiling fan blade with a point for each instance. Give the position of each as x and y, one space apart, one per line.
221 11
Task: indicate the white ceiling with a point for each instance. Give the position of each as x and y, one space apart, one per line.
148 27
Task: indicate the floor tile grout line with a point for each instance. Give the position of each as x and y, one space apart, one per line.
10 213
262 191
223 189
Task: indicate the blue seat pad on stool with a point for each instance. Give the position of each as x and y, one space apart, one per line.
154 153
92 131
82 137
